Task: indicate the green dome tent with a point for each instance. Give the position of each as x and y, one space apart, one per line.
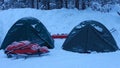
30 29
90 36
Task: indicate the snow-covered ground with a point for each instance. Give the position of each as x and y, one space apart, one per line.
61 21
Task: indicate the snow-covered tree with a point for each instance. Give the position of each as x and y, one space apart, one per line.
44 4
71 4
65 2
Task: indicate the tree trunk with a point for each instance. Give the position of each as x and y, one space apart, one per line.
77 4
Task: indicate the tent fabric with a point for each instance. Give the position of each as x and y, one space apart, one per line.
30 29
90 36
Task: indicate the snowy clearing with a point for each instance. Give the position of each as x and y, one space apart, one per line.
61 21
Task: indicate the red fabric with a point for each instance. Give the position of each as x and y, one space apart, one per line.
17 46
59 36
22 48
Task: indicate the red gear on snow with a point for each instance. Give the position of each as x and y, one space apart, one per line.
25 47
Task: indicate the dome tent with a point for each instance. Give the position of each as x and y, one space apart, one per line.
30 29
90 36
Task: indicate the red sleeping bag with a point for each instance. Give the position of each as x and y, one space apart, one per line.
25 47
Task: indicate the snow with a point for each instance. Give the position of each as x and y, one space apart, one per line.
61 21
97 28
